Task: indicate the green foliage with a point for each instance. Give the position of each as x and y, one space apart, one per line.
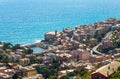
7 46
34 60
10 46
4 59
28 51
89 36
15 76
80 74
17 46
77 77
116 75
99 37
45 71
83 75
65 77
71 74
100 48
117 44
52 77
106 50
55 64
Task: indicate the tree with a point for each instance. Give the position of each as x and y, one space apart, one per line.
17 46
28 51
7 46
100 36
15 76
45 71
71 74
64 77
55 64
117 43
4 59
77 77
116 75
52 77
34 60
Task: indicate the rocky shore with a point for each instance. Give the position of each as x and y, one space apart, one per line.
39 44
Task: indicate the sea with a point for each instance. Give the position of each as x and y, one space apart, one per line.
27 21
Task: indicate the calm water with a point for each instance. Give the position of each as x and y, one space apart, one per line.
26 21
37 50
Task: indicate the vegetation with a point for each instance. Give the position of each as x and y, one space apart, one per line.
28 51
47 73
99 37
4 59
51 72
65 77
34 60
116 75
10 46
78 74
108 50
7 46
52 77
71 74
17 46
117 44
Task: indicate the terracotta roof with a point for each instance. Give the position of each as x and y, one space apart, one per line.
109 69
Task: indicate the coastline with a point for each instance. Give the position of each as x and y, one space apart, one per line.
38 44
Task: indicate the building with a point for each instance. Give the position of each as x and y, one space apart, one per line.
106 25
95 59
69 31
9 71
106 71
107 43
29 71
3 68
38 76
49 57
118 34
2 64
117 50
92 31
79 35
112 20
100 30
64 57
25 61
50 36
81 54
15 57
93 41
5 76
64 72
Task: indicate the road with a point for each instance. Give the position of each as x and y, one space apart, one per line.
107 36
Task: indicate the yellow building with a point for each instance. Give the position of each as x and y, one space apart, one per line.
29 71
25 61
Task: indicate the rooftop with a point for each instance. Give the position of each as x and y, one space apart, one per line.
109 69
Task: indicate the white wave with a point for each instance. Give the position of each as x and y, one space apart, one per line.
37 41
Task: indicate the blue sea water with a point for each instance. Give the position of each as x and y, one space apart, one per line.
26 21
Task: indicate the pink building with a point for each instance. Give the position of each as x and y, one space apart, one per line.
81 54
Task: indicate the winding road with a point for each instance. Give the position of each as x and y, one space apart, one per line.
107 36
